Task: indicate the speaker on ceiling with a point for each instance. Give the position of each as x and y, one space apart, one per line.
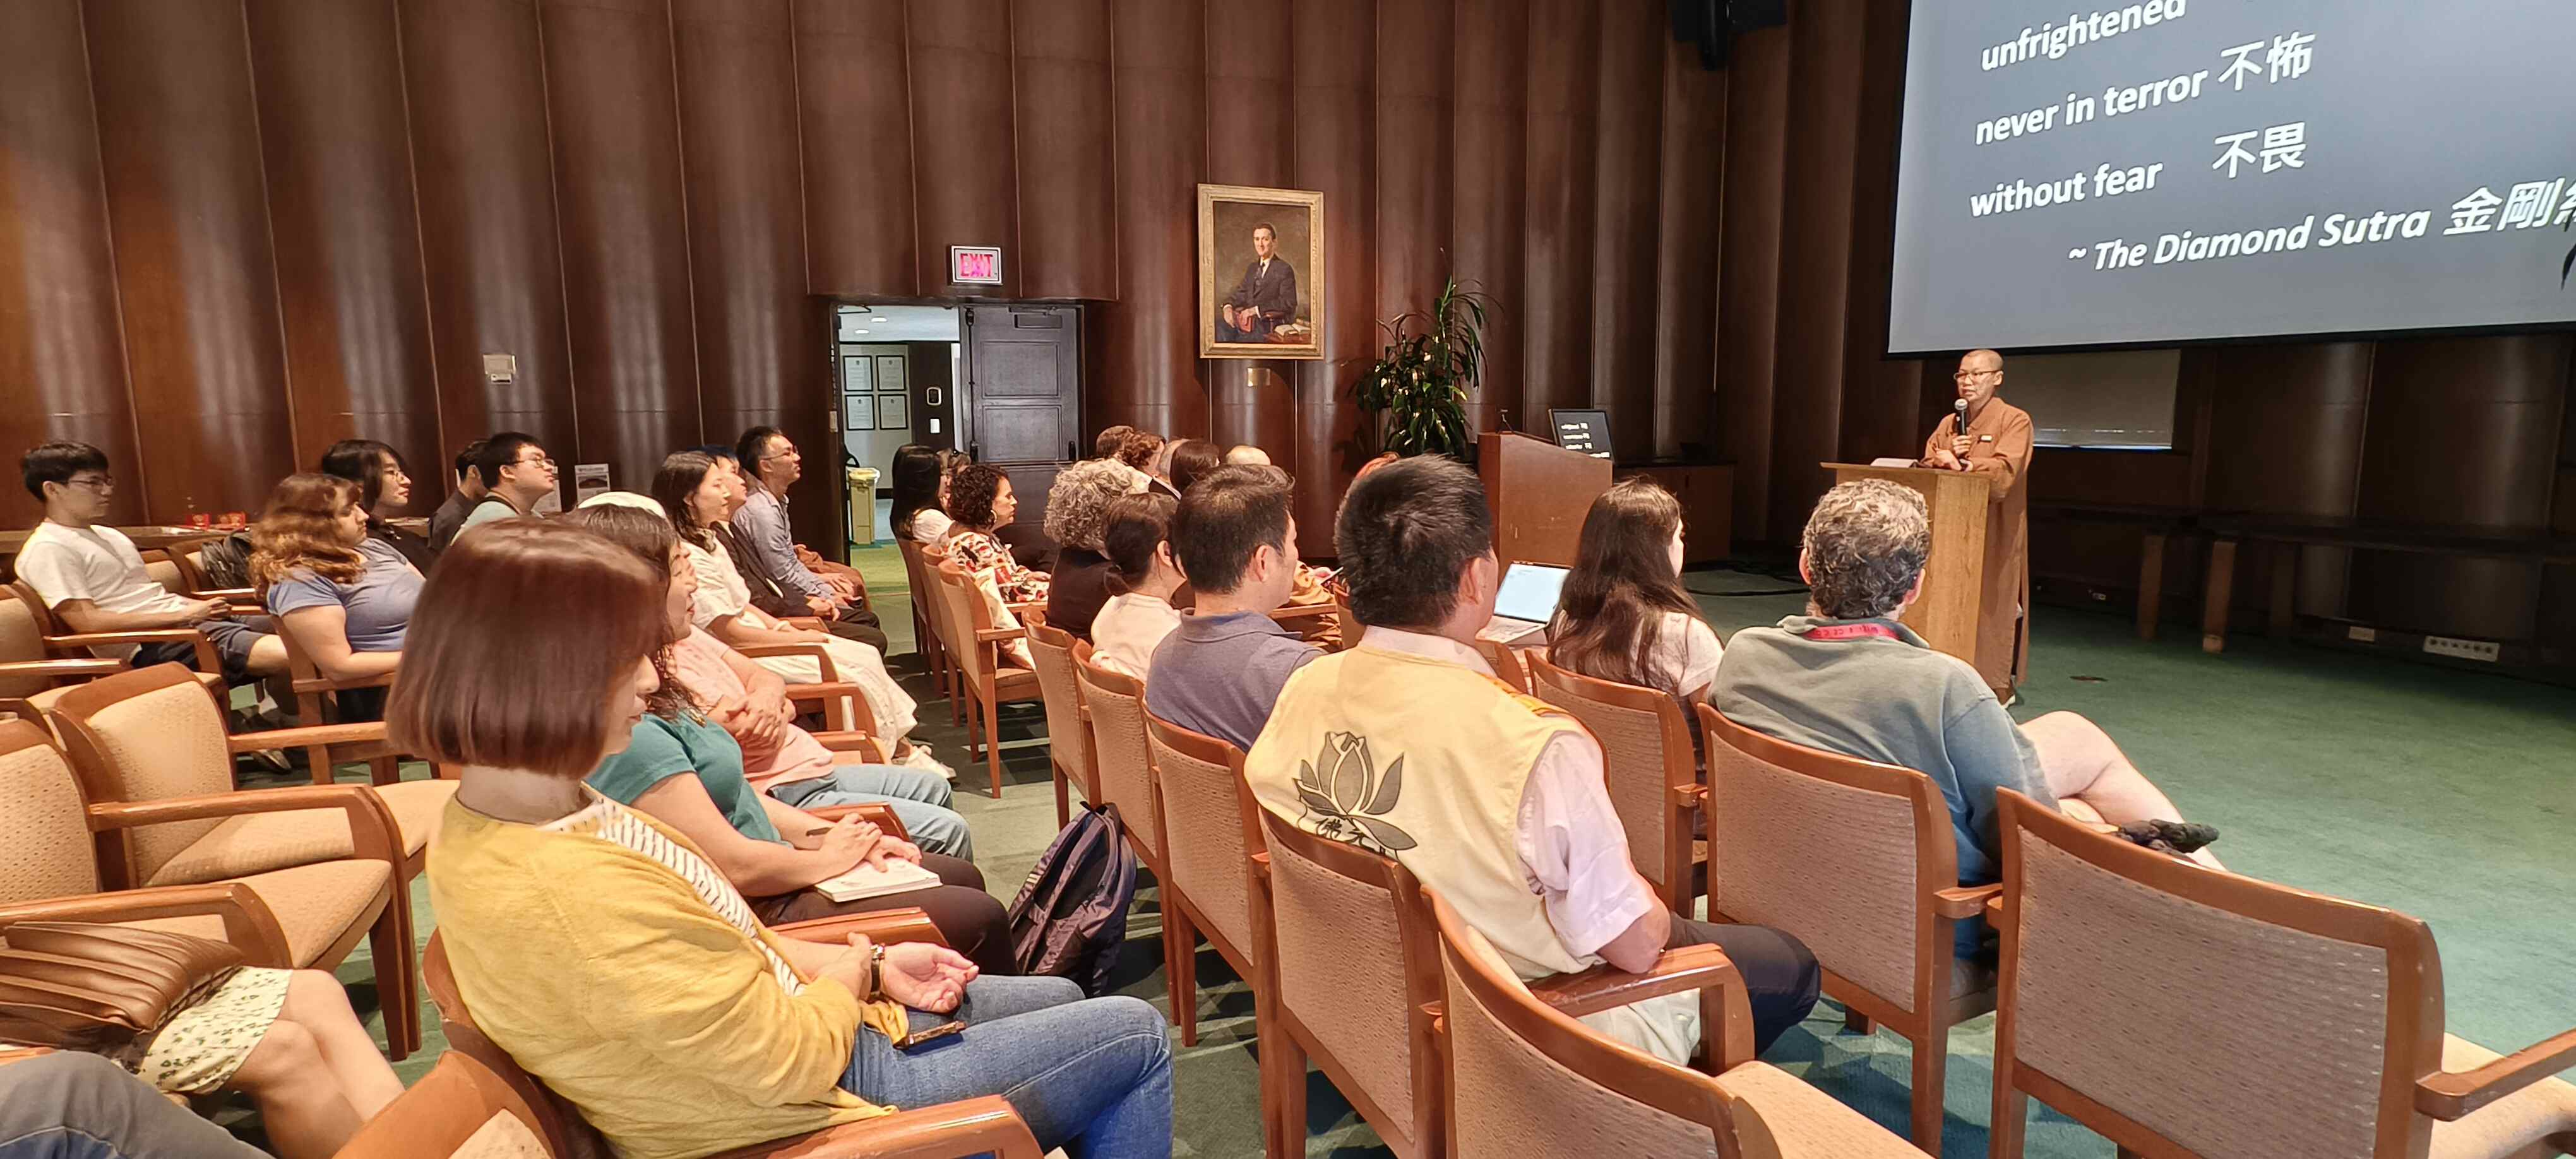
1710 24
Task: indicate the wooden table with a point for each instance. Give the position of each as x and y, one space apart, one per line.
2290 533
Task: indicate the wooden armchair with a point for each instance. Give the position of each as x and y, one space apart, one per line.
978 1126
2185 1012
63 643
1211 833
1350 978
27 670
1857 859
459 1108
843 707
189 559
929 637
1068 728
1123 762
984 683
1654 784
151 741
1507 664
294 916
318 702
1526 1080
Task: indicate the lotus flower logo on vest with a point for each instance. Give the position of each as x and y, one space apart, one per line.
1346 799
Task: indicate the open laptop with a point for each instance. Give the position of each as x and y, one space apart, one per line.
1526 602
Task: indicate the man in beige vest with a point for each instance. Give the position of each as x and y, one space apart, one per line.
1407 746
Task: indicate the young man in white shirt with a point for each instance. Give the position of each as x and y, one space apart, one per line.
1500 806
94 580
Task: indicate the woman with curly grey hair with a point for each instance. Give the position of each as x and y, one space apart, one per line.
1077 518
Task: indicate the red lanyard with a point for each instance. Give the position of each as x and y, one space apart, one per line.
1851 632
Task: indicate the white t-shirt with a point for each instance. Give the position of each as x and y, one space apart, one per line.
1687 648
1125 633
721 592
98 564
930 525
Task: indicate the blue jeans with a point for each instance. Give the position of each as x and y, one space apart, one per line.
81 1106
1093 1076
919 798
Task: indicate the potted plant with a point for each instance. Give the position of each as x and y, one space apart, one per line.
1416 394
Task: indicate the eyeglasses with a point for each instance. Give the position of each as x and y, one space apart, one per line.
781 453
540 460
95 482
1967 375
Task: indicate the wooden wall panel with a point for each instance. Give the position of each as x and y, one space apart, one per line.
1686 253
60 351
965 178
1414 83
1881 396
1815 237
1333 62
1748 298
475 72
763 350
179 139
1148 341
1249 142
853 85
627 290
1060 105
1490 182
1626 185
1556 270
335 146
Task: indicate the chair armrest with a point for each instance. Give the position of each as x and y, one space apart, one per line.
248 922
875 813
802 693
909 924
65 669
2453 1095
1723 999
866 747
1033 607
1689 796
1995 911
1965 901
138 636
822 657
23 1053
997 635
809 623
977 1126
307 736
372 832
230 595
342 684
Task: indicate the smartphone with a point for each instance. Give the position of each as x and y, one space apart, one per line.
923 1037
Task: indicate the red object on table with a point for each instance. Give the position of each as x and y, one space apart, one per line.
200 519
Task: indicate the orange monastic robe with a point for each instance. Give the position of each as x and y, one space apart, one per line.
2002 452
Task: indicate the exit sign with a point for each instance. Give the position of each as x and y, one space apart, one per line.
975 265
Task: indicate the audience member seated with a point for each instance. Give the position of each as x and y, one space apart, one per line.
1105 444
1246 455
1501 807
344 595
384 491
1624 615
516 473
849 622
450 516
286 1038
1142 452
1132 625
981 502
695 494
1190 460
1848 678
750 702
603 951
920 487
1219 672
1077 514
770 465
69 1105
94 580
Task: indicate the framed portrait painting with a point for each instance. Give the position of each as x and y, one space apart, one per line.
1261 272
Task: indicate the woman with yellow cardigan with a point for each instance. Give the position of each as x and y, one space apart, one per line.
602 951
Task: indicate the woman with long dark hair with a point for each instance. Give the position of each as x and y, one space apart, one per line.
384 493
919 479
1143 575
1624 615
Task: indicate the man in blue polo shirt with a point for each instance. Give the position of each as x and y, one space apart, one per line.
1220 672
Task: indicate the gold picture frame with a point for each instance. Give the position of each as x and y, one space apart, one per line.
1247 309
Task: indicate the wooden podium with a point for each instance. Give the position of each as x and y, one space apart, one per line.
1538 493
1954 579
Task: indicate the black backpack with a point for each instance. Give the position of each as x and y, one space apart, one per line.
1071 915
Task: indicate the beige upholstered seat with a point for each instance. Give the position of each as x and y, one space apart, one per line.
1347 975
1068 738
150 741
1211 833
1858 860
1530 1082
1646 744
28 672
304 916
2190 1012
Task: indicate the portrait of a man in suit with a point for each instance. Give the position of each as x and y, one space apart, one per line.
1266 298
1261 263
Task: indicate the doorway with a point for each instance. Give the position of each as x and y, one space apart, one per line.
1020 406
895 366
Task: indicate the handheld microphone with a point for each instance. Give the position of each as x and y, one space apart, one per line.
1960 408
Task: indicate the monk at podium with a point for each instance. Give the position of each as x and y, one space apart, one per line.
1988 436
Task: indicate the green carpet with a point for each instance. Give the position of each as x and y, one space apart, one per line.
2440 793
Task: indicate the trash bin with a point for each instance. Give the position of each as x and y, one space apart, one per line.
863 506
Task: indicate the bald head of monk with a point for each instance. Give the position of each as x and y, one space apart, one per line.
1981 374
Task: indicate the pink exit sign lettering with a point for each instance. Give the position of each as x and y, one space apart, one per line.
975 265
